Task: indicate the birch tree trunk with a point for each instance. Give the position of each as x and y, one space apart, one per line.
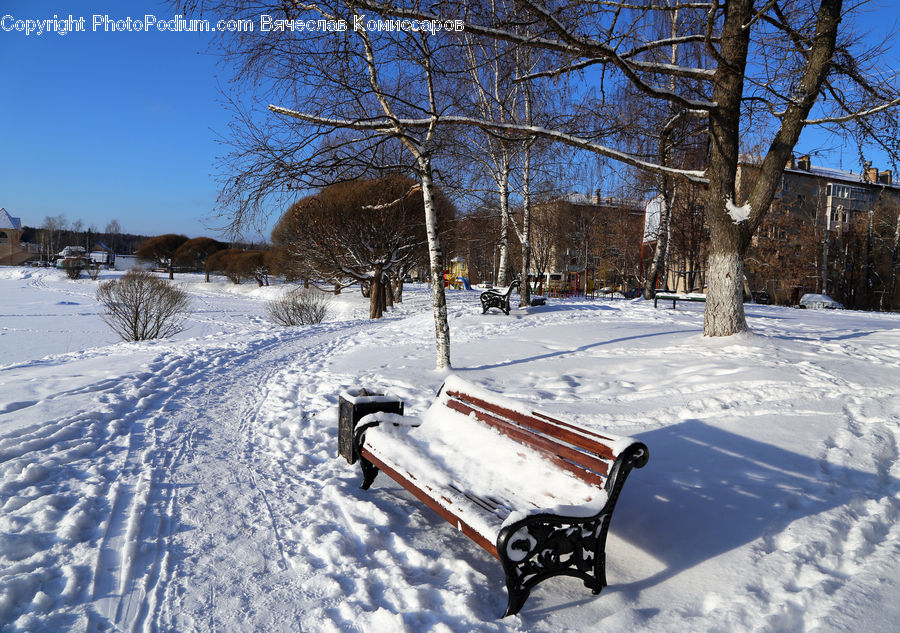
658 266
435 259
660 255
503 242
525 233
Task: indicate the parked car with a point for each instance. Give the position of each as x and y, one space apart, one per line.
761 297
819 302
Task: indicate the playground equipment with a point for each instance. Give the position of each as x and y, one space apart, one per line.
457 277
573 282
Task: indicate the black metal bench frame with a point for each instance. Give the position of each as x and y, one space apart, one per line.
493 299
550 544
675 297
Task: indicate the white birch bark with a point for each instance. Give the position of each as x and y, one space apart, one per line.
435 261
503 241
525 232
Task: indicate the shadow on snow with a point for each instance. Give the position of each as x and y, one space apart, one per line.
706 491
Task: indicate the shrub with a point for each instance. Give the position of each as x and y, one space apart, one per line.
73 266
299 307
140 306
224 262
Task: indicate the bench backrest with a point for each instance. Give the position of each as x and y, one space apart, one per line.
586 454
507 292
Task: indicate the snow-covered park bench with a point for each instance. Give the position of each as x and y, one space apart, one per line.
678 296
497 298
534 491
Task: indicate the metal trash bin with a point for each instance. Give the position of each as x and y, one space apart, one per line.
355 404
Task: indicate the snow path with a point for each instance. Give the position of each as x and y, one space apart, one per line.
192 485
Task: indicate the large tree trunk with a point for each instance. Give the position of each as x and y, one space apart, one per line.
724 314
435 257
388 292
731 221
376 294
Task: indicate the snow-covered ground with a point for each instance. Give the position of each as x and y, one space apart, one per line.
193 485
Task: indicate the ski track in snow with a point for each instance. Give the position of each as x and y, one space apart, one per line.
201 492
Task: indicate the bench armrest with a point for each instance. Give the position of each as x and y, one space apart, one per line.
376 419
373 419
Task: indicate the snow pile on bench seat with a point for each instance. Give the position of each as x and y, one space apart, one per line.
499 290
460 463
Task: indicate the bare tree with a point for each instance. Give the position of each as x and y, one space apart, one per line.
342 96
139 306
52 227
767 69
492 94
366 231
194 252
223 262
161 251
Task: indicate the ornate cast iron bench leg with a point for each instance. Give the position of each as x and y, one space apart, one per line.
539 547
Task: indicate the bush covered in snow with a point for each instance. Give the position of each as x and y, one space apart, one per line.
299 307
140 306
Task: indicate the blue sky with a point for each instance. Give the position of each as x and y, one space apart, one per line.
100 126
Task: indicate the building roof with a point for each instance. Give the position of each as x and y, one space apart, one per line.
9 222
600 201
839 174
829 173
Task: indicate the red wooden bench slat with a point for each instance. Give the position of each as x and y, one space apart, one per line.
579 464
581 431
556 429
446 514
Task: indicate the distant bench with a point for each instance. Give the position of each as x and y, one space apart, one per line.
536 492
495 298
678 296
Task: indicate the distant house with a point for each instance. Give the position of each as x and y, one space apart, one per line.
102 254
72 251
127 262
13 252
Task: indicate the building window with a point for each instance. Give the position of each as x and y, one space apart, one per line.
856 194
